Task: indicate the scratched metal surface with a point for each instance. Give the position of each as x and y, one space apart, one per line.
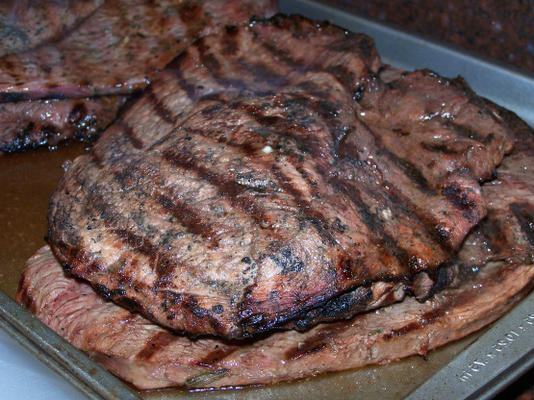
27 181
498 357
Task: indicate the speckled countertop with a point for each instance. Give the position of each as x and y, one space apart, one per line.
503 30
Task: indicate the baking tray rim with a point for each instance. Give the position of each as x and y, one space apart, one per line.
94 381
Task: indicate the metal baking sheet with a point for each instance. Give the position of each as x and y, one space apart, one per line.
28 180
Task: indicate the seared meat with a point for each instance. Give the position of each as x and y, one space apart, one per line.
252 186
98 48
494 270
29 124
118 47
151 357
26 24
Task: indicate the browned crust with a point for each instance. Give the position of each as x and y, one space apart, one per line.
151 357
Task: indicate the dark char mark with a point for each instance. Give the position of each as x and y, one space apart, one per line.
287 261
188 303
176 67
312 215
229 40
457 197
440 148
228 188
375 225
190 218
262 72
213 357
410 170
155 344
163 112
12 97
466 132
130 134
214 67
524 212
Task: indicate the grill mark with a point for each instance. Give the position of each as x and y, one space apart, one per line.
440 148
282 55
135 241
261 72
410 170
316 342
458 198
524 212
401 203
230 189
193 16
163 112
190 303
155 344
214 67
317 218
229 40
130 134
282 128
397 200
214 356
465 132
340 72
190 218
375 226
52 40
175 67
158 261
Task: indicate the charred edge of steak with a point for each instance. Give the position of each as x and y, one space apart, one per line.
82 124
365 298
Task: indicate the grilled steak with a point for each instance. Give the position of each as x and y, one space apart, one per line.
117 48
151 357
29 124
26 24
494 267
252 186
92 53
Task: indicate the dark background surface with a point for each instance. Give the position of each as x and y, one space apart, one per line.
503 30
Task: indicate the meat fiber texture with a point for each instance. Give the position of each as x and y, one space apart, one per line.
269 175
197 118
79 52
494 271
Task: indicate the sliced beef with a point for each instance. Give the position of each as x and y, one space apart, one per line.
26 24
495 270
151 357
250 187
29 124
118 47
71 49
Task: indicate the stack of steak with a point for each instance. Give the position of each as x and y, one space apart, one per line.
277 204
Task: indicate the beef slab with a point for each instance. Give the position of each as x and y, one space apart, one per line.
67 51
252 187
494 271
30 124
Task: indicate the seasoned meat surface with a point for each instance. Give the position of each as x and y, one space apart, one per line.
151 357
252 184
29 124
118 47
494 270
26 24
67 50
